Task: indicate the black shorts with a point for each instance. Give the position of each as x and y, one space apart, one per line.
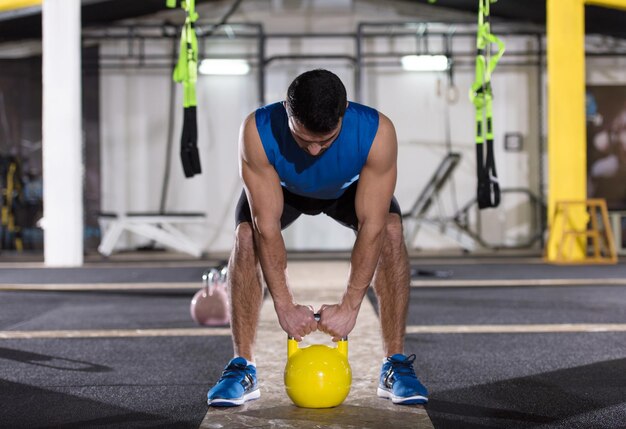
342 209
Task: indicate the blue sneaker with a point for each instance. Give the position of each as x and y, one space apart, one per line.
399 383
236 385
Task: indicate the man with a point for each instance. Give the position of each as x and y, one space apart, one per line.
317 153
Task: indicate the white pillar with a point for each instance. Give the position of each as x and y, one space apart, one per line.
62 134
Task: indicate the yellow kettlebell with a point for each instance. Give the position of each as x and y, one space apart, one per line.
317 376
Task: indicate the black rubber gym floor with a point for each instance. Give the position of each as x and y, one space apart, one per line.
561 380
105 382
476 380
522 380
120 382
95 310
101 275
517 305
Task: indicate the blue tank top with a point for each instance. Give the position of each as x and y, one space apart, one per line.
325 176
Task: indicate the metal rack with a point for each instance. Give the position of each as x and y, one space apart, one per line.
438 38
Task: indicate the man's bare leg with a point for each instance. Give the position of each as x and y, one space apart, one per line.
398 381
245 292
391 284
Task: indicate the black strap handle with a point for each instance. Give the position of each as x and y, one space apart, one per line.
488 192
189 143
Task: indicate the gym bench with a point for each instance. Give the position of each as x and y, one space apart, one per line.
159 227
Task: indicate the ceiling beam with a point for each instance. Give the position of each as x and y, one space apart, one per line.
6 5
615 4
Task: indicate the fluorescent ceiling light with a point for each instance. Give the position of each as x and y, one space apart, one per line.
424 62
224 67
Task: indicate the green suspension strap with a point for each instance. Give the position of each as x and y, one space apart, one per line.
186 72
488 194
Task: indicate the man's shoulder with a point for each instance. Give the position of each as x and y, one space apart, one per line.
249 121
384 121
269 114
269 108
362 110
353 105
259 113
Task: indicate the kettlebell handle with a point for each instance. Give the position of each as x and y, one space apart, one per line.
210 278
317 319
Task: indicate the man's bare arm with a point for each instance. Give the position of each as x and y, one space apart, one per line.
265 197
377 182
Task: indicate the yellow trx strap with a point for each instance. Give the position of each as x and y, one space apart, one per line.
488 192
186 72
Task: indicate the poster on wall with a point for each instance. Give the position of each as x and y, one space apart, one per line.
606 144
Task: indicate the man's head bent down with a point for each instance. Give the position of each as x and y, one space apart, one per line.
316 103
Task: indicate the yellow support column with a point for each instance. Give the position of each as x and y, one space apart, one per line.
566 112
567 178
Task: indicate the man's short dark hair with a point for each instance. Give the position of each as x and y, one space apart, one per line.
317 99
